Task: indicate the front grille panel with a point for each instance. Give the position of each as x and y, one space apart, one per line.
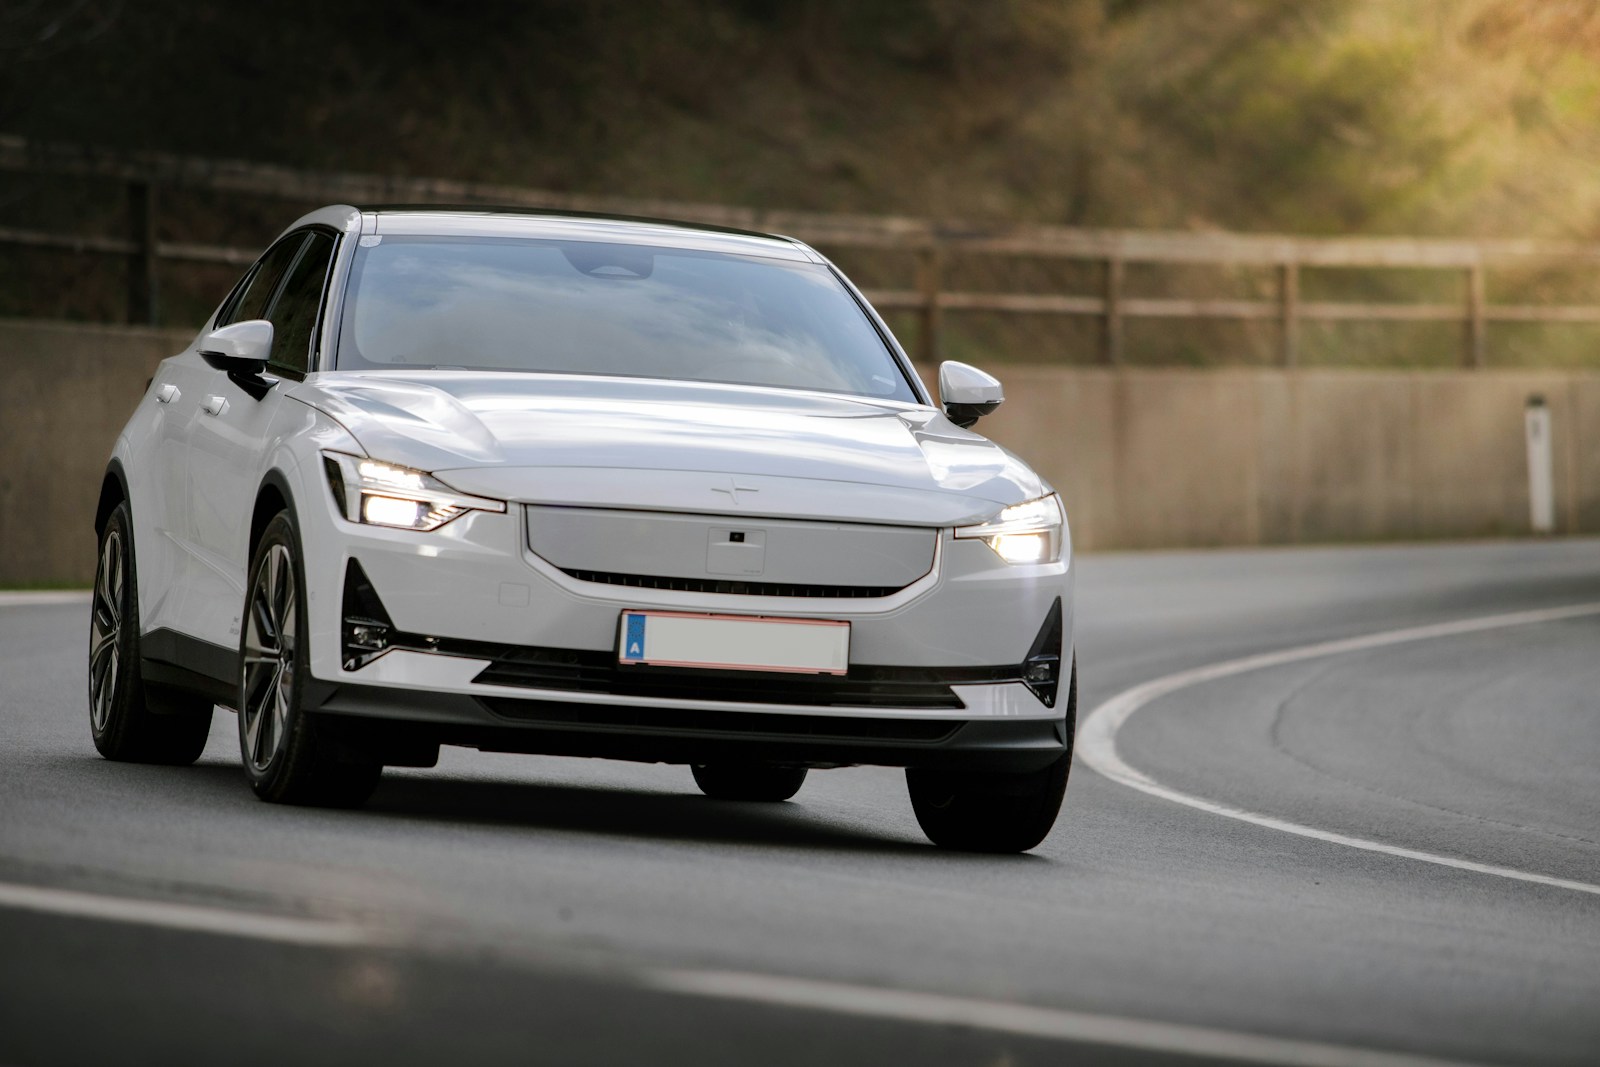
731 586
752 554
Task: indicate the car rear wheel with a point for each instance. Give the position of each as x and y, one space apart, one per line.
287 759
127 720
748 781
993 811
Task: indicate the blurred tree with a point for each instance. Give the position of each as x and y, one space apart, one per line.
1303 115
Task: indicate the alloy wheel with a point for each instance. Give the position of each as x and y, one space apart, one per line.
105 631
269 657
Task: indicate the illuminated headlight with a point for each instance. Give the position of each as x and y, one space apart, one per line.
382 494
1024 533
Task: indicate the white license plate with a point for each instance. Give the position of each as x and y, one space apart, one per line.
734 642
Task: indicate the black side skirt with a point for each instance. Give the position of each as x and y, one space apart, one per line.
177 661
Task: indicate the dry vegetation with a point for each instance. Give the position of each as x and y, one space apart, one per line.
1451 117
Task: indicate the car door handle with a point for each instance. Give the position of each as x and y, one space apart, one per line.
215 405
167 394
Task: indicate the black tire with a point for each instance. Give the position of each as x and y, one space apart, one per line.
126 724
993 811
286 758
748 781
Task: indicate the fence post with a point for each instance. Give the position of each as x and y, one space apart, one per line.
929 263
1111 324
1472 354
1289 312
143 291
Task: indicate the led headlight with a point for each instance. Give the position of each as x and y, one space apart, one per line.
382 494
1024 533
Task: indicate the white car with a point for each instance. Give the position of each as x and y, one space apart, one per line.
581 486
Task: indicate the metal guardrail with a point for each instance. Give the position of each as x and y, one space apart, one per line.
933 243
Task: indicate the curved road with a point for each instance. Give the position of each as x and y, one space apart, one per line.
1380 852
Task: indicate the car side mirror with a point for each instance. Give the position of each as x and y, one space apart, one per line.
242 350
967 393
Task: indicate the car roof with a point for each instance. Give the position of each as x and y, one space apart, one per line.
487 221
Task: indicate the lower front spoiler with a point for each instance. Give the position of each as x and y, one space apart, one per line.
405 727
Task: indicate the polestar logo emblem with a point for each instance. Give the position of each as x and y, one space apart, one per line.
733 489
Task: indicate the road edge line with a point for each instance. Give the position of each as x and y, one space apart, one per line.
1024 1020
1096 743
16 598
194 918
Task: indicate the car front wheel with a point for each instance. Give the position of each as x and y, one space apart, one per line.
288 761
992 811
128 720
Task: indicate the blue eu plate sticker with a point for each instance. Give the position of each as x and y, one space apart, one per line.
633 637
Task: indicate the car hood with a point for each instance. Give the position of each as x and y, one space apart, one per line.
642 443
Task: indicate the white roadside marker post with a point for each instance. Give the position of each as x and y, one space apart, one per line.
1541 478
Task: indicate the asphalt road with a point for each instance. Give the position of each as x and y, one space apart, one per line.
1421 878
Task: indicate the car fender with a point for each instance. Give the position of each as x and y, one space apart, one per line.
292 468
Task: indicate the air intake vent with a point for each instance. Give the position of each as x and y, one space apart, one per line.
733 723
864 686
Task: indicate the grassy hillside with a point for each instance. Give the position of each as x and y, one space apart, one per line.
1455 117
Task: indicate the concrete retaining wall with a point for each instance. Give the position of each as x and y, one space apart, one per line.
1159 458
65 392
1145 458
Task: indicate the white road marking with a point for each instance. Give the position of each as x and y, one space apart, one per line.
1024 1020
192 917
44 596
1097 736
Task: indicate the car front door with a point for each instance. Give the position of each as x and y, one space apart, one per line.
162 542
233 434
173 570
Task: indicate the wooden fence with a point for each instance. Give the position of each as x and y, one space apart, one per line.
143 176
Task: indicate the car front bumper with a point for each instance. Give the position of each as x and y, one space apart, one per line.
406 727
935 668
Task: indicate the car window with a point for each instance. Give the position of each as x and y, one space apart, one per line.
294 313
251 303
585 307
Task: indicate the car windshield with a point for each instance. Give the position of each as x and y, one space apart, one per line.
585 307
